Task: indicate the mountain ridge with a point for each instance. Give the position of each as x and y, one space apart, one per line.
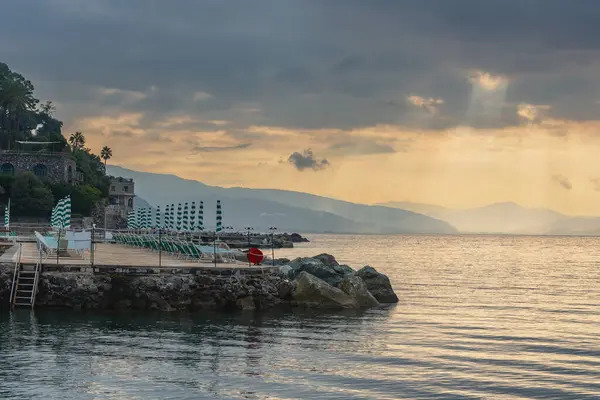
508 218
262 208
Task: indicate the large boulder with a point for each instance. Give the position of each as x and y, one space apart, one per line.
356 288
332 274
378 284
313 292
327 259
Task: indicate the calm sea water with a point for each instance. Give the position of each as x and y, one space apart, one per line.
479 317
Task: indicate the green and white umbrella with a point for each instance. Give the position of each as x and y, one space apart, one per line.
147 218
7 215
200 223
61 214
219 217
184 220
193 216
168 216
157 217
179 217
131 220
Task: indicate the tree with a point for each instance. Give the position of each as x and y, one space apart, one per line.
16 103
47 108
83 197
30 196
105 154
77 140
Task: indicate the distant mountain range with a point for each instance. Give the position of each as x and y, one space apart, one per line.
286 210
508 218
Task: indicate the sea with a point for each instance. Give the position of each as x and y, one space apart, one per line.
479 317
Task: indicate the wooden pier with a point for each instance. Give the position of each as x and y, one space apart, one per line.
108 257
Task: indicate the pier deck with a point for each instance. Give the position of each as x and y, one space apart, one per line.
109 256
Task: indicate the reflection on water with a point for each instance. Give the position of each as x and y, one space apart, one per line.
480 317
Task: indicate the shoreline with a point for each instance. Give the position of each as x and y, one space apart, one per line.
318 282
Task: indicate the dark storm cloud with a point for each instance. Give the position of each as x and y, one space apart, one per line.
306 63
306 160
563 181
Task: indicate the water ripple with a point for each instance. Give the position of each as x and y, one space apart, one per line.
480 317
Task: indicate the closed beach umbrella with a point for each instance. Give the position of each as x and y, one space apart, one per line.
157 217
54 216
7 215
179 217
61 214
172 217
193 216
184 220
201 216
131 220
167 223
66 216
219 217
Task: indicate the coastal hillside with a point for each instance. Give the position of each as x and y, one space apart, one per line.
294 211
507 218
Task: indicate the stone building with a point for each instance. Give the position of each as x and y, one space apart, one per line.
55 167
120 201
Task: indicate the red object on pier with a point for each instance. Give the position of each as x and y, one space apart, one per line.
255 256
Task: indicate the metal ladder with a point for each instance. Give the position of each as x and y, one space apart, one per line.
25 285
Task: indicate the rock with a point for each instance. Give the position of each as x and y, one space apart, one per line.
246 303
333 275
378 284
297 238
313 292
326 259
286 288
284 270
356 288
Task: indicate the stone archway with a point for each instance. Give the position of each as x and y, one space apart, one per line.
7 169
40 170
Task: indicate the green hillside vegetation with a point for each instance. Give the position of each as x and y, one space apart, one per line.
24 118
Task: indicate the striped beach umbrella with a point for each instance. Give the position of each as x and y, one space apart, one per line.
61 214
157 217
219 217
200 223
7 215
131 220
179 217
66 213
166 217
169 217
138 218
54 217
193 216
184 219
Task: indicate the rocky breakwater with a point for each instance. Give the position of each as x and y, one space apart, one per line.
321 282
317 282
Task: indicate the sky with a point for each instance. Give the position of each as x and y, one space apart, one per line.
459 104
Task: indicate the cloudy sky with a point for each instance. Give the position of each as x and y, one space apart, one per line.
457 103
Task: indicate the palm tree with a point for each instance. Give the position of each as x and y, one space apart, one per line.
77 140
105 154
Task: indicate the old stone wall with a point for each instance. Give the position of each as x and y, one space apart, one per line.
56 167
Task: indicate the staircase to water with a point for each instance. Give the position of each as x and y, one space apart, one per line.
25 285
